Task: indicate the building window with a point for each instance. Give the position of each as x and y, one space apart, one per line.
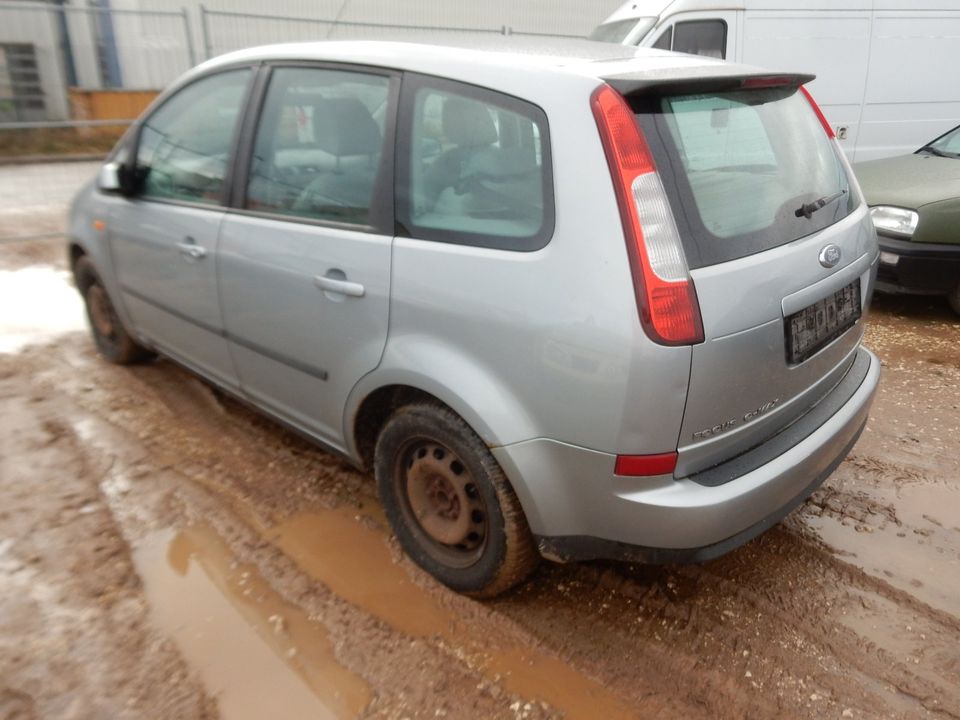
21 95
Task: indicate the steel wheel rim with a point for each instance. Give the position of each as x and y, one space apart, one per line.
101 312
442 503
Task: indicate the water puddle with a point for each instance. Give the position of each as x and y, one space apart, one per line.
257 654
37 303
353 560
921 556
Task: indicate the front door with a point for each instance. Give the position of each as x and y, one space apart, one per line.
305 262
164 239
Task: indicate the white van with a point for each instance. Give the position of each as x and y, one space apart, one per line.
888 71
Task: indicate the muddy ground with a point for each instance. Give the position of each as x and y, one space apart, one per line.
167 553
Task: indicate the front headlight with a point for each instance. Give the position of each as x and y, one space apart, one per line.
894 221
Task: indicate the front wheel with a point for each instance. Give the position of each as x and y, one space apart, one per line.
954 299
450 503
111 337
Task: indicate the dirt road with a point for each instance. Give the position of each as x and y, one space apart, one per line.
165 552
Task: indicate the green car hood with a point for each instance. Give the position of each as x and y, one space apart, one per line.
909 181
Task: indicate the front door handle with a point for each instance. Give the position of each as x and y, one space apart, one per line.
190 249
339 285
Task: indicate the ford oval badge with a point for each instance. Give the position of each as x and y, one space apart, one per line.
830 256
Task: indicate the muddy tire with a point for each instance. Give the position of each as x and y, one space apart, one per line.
954 299
450 503
113 341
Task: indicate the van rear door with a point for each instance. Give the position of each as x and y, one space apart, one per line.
780 251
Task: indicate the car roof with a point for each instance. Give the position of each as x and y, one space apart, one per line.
548 55
533 60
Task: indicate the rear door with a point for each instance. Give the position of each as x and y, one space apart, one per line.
781 281
304 259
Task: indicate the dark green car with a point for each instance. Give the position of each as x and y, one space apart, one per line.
915 204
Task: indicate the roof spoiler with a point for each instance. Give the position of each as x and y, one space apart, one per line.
710 78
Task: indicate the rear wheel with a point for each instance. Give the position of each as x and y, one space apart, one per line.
954 299
450 503
111 337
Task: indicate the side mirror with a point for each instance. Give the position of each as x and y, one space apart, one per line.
109 178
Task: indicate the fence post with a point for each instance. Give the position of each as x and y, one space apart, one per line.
59 60
188 33
205 28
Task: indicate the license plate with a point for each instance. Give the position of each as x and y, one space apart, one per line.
816 326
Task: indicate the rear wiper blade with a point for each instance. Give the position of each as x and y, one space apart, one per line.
809 209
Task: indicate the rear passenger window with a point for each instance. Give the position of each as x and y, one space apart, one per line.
319 144
477 170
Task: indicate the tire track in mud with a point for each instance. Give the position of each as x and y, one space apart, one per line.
218 455
757 633
807 630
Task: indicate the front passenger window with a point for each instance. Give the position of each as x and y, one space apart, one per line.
185 145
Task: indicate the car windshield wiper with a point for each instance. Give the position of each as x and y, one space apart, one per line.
809 209
936 151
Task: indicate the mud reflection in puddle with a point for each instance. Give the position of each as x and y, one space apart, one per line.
353 560
257 654
36 303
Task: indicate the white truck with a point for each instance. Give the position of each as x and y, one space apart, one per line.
888 71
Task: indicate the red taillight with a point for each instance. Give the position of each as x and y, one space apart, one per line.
819 112
646 465
666 299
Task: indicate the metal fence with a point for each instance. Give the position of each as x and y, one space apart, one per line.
223 31
51 54
65 65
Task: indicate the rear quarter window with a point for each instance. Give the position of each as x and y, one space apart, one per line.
474 167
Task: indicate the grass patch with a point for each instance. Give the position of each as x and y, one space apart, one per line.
59 141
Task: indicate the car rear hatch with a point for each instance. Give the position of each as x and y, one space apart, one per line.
777 244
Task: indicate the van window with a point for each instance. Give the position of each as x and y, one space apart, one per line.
319 144
696 37
477 170
185 145
738 165
619 30
701 37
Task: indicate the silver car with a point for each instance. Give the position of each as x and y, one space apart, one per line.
574 301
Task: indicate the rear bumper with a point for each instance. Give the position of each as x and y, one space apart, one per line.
580 510
917 268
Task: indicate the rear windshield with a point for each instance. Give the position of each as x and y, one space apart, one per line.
738 165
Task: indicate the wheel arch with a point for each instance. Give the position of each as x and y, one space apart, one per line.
477 397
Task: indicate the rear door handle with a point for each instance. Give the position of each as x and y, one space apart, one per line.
339 285
190 249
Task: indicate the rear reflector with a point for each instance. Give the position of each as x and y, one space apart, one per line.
666 298
646 465
819 112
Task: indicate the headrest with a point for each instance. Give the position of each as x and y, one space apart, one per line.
344 126
468 122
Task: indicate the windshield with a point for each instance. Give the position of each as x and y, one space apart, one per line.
948 145
617 32
745 170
